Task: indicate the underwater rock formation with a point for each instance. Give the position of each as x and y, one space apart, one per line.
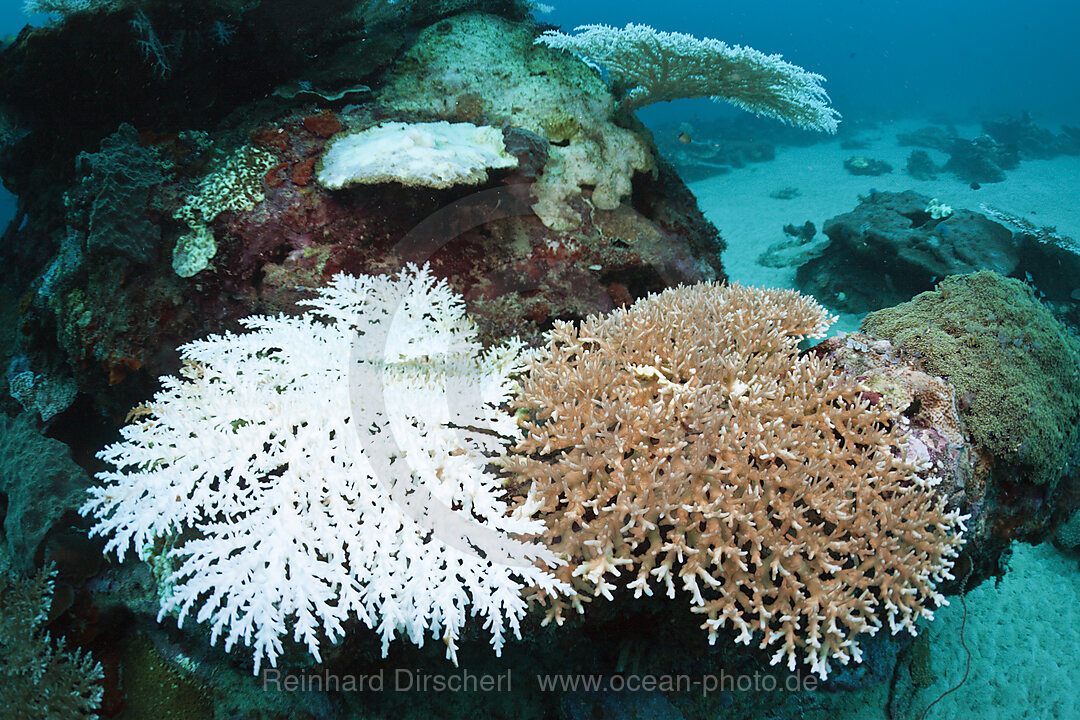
547 93
891 247
1016 371
714 146
861 165
40 486
1030 139
1048 260
590 217
920 166
980 160
1003 143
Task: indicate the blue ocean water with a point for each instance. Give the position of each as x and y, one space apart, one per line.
890 57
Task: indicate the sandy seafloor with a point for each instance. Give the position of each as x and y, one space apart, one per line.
1023 633
1046 192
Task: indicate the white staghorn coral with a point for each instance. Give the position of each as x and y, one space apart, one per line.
649 66
327 466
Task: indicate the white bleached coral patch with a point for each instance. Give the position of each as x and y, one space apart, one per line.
436 155
331 466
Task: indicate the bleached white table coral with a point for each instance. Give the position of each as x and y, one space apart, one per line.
331 465
650 66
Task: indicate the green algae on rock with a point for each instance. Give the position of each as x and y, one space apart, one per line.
1015 367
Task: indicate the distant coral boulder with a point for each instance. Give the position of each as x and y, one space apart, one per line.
892 247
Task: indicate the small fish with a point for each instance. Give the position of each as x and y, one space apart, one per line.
684 138
974 185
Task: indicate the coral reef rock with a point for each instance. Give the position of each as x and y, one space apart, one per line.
891 247
1016 371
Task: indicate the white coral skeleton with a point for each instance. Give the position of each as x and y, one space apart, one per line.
283 469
